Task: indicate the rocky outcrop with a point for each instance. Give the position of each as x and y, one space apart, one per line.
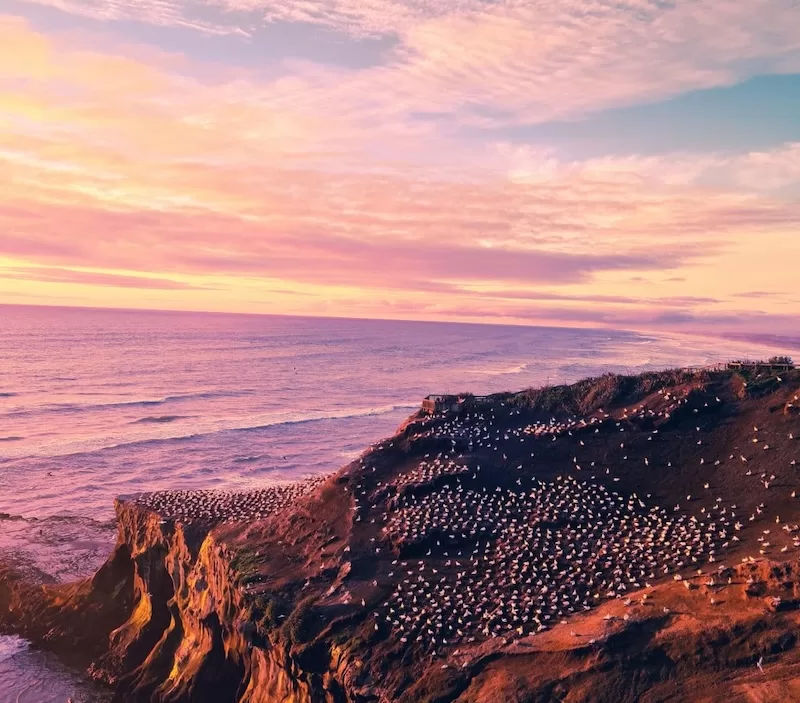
190 634
165 619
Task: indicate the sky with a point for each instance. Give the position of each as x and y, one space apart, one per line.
622 163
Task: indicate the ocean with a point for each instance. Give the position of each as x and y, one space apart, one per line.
100 403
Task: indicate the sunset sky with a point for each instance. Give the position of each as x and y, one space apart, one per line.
631 163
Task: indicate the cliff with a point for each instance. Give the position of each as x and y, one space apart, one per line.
166 619
363 587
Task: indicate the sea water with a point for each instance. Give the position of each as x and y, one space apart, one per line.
100 403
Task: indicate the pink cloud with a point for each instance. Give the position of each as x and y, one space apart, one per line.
140 163
185 243
489 64
509 63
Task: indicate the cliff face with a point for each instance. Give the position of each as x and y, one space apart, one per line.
297 606
190 635
167 618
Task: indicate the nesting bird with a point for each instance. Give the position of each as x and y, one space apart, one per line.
213 507
514 562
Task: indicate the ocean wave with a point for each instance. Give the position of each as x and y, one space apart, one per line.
220 427
60 519
519 368
9 516
159 419
502 371
11 645
13 438
342 415
8 394
145 403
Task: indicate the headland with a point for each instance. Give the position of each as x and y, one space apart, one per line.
624 538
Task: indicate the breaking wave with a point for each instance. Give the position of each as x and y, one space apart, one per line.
144 403
211 427
159 419
322 416
10 646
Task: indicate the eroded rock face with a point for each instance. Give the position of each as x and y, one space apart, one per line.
189 636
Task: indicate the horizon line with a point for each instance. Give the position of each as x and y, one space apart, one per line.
756 338
302 316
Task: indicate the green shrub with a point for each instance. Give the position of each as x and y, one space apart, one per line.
299 625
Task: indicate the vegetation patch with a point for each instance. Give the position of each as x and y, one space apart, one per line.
302 622
591 394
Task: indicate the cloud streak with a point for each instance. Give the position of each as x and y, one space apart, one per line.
92 278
